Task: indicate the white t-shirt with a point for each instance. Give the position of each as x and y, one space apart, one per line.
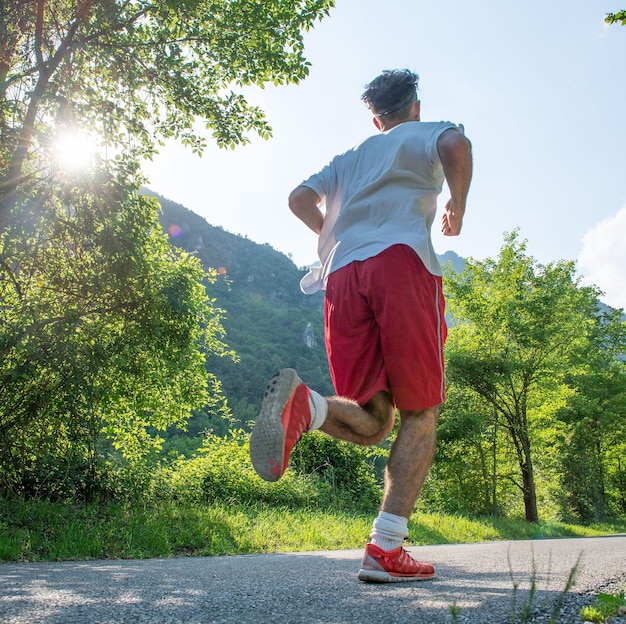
382 192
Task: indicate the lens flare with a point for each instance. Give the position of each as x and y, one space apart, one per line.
75 150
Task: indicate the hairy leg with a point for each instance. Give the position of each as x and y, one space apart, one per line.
365 425
410 459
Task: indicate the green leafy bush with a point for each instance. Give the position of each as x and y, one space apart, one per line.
347 470
324 473
74 477
221 471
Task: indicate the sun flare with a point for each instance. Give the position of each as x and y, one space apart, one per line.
75 150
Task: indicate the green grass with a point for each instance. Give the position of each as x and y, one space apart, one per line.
604 608
45 531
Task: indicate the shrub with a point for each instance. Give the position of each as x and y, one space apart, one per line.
347 470
74 477
323 473
221 471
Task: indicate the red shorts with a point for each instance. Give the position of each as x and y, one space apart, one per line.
385 330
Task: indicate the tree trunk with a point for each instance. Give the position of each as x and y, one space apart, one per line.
494 466
530 496
528 481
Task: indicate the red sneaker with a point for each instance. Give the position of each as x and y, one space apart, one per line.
392 566
285 415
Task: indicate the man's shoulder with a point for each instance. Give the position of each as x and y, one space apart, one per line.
424 127
424 131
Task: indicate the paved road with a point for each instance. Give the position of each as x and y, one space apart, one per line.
313 587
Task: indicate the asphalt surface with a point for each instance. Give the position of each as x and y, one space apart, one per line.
476 580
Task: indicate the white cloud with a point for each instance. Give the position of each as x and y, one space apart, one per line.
602 260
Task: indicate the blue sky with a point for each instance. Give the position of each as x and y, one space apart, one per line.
540 87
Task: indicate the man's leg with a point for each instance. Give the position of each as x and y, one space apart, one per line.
290 408
410 460
365 425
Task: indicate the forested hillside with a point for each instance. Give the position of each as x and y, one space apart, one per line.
269 322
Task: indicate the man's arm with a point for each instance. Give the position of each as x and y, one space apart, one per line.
304 203
455 152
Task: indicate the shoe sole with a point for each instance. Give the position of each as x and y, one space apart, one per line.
268 436
379 576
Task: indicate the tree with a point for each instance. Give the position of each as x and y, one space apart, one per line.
594 437
104 327
474 467
136 70
519 327
613 18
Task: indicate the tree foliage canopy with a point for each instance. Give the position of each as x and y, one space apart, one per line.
104 327
525 338
137 70
613 18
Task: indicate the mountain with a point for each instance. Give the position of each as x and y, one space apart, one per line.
269 322
458 263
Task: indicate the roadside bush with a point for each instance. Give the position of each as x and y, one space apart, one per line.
74 477
324 473
221 472
347 470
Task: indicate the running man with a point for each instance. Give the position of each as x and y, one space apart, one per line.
383 311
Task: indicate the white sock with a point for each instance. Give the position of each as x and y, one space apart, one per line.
319 410
389 530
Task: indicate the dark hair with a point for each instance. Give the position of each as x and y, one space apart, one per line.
391 91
